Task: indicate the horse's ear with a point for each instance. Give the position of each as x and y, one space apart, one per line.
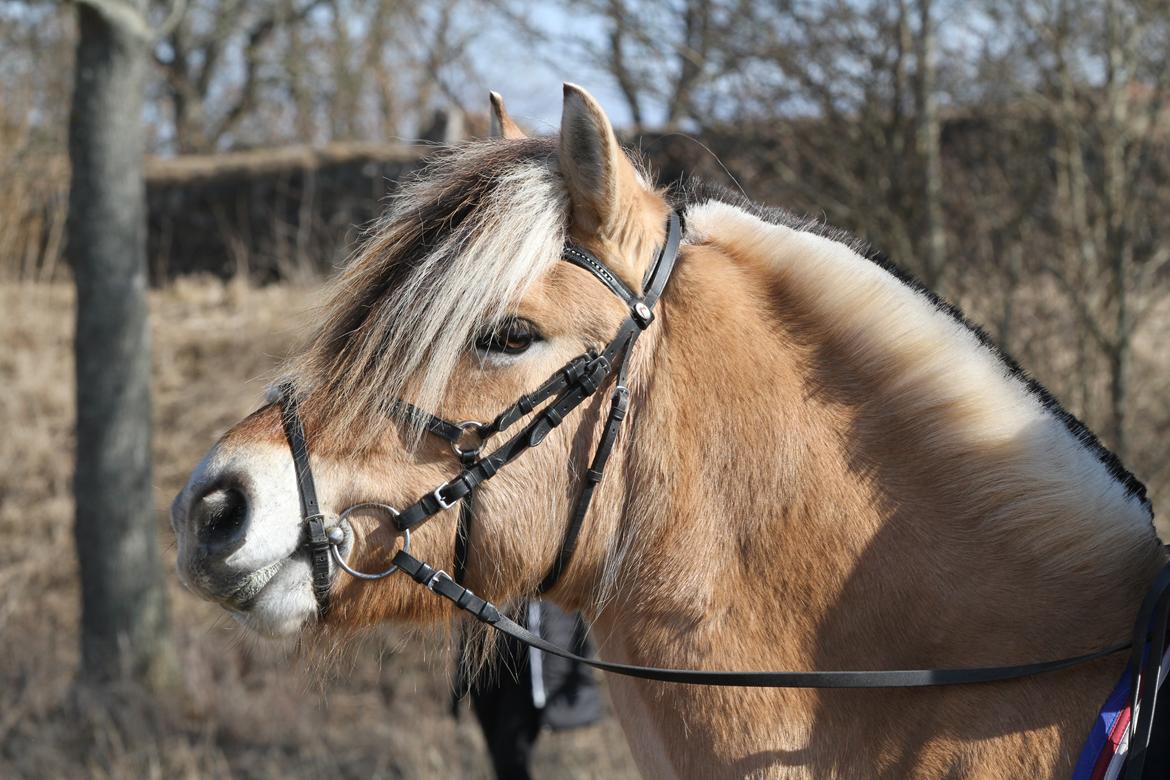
502 124
599 177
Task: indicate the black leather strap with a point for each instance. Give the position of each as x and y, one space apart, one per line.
532 434
563 377
667 258
438 582
593 475
584 259
436 426
463 529
316 542
1144 669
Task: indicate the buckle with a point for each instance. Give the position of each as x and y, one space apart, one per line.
596 370
318 539
438 496
433 579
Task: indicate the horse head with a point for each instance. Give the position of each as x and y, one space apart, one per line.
455 304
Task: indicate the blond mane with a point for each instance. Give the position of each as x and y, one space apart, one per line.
459 244
1000 434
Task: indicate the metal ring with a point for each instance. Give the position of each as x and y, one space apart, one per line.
361 575
469 426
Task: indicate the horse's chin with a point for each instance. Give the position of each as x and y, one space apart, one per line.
284 605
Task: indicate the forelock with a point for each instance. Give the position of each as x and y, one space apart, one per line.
460 244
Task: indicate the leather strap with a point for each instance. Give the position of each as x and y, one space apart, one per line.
582 258
463 529
667 258
316 542
566 375
1144 669
593 475
439 582
436 426
529 436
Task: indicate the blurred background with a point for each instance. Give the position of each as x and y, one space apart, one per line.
1013 154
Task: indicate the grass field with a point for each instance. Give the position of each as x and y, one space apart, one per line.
246 708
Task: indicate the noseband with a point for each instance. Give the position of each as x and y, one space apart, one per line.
572 385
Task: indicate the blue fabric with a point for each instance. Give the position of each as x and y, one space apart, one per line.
1102 727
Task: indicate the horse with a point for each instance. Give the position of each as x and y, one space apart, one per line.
822 466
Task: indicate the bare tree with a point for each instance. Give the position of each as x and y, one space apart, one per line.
660 53
844 97
927 137
240 74
1095 73
217 37
124 608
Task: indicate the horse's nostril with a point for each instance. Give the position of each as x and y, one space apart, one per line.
221 517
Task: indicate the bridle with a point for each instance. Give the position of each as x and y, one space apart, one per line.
570 387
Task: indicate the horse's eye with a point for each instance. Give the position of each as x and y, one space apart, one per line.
510 337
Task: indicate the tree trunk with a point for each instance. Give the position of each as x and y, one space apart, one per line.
124 613
929 142
1118 235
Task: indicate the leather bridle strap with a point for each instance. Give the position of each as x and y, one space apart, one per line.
439 582
316 541
565 376
532 434
436 426
593 475
575 383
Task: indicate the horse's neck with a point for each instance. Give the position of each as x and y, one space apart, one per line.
922 484
803 519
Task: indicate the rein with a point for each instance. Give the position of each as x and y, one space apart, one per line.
570 387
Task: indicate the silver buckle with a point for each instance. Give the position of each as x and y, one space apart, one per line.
438 496
431 580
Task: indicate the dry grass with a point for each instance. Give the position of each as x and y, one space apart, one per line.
34 194
246 709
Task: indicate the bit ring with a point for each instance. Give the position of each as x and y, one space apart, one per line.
335 543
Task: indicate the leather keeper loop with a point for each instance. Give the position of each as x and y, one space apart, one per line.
489 467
